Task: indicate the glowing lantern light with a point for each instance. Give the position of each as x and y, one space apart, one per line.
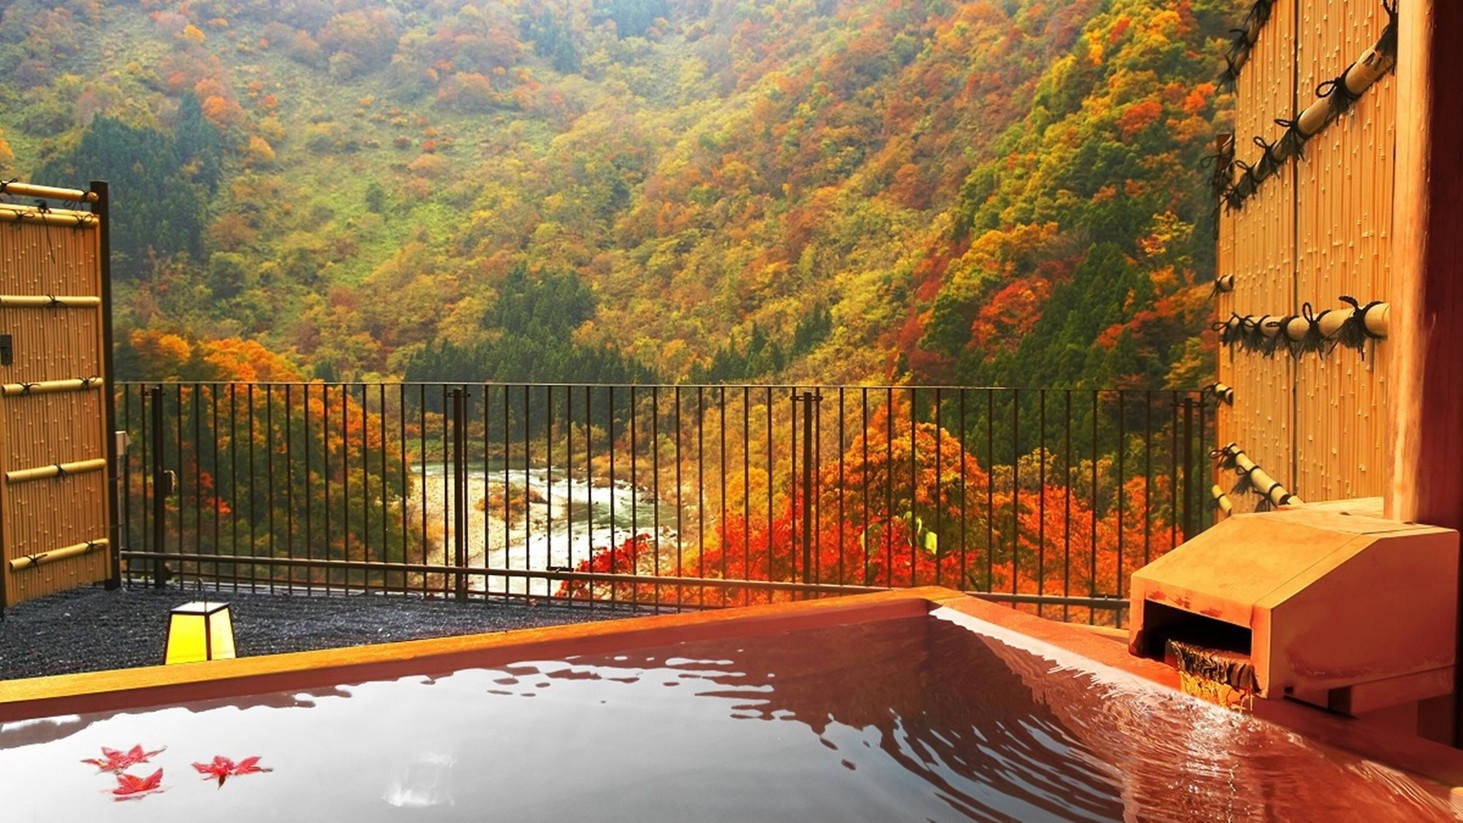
200 631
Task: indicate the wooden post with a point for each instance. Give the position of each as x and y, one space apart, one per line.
1425 433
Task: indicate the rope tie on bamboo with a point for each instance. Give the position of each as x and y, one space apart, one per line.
1233 200
1228 329
1314 340
1353 333
1225 456
1293 142
5 185
1223 161
1338 96
1270 344
1221 394
1269 162
1252 334
1387 43
88 382
1243 42
55 302
26 387
60 471
1244 482
1247 184
1222 284
35 559
41 211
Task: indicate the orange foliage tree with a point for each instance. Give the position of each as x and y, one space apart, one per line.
340 497
907 505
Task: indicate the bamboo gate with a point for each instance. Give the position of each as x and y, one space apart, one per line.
1304 187
57 506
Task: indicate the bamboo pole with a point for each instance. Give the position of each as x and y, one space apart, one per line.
1256 478
1221 500
1376 319
66 218
15 187
50 386
49 301
57 470
31 561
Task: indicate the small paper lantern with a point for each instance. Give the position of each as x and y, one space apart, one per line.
200 631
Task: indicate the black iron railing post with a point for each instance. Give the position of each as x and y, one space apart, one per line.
459 490
809 403
161 488
1185 479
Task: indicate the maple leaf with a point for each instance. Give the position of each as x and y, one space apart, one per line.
113 760
220 768
250 765
130 787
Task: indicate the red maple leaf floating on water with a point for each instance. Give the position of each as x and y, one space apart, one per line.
250 765
116 761
222 768
130 787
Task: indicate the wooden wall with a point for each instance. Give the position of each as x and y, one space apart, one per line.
1317 230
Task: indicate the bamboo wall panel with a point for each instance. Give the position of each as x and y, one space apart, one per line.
1261 239
1319 229
1344 220
50 342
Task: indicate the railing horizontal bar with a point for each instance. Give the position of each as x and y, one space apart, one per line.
433 568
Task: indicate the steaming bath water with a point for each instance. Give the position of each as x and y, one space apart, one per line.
897 719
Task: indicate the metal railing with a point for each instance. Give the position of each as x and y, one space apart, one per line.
676 496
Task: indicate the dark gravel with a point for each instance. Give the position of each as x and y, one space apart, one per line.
90 629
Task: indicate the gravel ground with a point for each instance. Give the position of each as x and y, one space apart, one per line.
89 629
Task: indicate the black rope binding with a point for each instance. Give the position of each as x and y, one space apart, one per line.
1269 161
1240 46
1244 482
1339 98
1247 183
1212 392
1353 333
1225 457
1294 140
1269 345
1387 43
1226 337
1314 340
1252 336
1219 285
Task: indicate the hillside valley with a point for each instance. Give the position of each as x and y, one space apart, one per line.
983 193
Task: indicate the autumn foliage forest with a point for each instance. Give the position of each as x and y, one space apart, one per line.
995 193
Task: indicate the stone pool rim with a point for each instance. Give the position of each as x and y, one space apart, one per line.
136 688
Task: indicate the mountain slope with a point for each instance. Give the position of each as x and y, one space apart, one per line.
932 191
